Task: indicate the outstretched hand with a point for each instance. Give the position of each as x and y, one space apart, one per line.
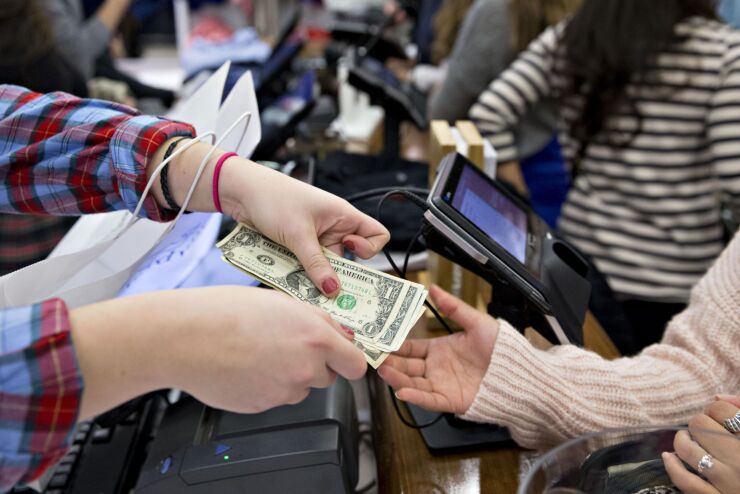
444 374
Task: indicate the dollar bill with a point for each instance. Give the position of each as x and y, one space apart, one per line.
381 309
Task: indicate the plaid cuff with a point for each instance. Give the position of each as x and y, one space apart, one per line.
132 145
40 389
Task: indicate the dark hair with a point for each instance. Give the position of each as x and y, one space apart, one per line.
25 33
609 44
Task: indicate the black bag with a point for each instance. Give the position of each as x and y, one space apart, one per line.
345 174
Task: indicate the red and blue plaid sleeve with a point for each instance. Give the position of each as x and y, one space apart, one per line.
40 390
62 155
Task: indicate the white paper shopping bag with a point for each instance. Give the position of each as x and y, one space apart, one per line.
102 251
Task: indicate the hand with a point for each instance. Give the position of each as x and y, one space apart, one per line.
233 348
724 447
292 213
444 374
300 217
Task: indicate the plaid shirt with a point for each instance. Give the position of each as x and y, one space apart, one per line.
59 155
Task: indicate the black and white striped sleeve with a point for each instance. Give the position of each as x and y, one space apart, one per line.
723 127
506 100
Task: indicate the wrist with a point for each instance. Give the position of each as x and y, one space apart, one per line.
157 158
237 181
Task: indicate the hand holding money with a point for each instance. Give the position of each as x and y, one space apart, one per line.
381 309
300 217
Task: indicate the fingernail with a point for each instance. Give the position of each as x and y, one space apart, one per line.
329 286
722 397
349 245
348 331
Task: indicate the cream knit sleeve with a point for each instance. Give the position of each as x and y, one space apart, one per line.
547 397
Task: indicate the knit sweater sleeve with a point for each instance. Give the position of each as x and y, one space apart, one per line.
546 397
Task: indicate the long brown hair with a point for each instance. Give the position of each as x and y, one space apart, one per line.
530 17
447 23
25 33
610 43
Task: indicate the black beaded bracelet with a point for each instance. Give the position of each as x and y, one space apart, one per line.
163 181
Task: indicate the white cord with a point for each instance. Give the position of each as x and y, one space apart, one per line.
159 168
201 168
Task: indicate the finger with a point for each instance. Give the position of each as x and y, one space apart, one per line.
691 452
309 253
397 379
434 402
341 329
713 437
324 378
720 411
295 397
372 230
733 400
458 311
346 332
345 358
362 247
413 349
412 367
685 480
394 378
336 248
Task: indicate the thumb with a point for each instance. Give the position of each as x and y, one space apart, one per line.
308 251
732 400
458 311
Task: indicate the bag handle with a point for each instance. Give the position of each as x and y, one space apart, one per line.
201 168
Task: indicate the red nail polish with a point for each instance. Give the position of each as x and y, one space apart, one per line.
329 286
350 245
349 331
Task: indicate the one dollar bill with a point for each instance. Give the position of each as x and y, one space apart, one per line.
380 309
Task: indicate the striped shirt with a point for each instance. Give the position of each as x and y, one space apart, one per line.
647 211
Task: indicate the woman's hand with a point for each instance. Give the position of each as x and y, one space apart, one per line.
233 348
301 217
443 374
723 476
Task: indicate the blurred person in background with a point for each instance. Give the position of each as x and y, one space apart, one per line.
648 99
437 26
82 40
493 33
31 60
87 44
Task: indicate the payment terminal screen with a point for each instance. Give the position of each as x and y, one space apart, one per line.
492 212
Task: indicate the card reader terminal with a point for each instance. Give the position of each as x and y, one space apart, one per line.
477 223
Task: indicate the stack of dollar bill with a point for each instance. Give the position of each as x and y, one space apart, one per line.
380 309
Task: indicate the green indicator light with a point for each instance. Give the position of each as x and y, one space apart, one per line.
226 457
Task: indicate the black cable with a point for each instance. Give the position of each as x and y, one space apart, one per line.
404 270
412 194
369 194
405 421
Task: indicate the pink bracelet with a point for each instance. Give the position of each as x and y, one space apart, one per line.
216 174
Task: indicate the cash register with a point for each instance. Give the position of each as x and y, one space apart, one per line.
187 447
308 447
